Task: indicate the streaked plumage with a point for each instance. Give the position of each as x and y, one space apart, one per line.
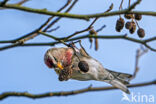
70 59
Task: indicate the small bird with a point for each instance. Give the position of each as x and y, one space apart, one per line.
74 63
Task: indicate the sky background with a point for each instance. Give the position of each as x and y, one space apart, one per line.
22 69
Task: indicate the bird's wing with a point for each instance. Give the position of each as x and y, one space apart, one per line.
83 52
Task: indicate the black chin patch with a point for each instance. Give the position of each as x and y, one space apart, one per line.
83 66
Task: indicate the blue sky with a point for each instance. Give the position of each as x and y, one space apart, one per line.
23 69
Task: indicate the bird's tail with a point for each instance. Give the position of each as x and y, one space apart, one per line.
120 80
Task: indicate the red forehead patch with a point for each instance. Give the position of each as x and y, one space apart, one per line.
68 55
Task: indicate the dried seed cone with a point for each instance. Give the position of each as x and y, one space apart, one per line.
128 16
138 16
141 32
128 25
133 28
120 24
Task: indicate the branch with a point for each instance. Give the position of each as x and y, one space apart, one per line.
57 19
150 39
3 2
67 93
124 37
22 2
133 5
140 52
76 16
34 33
89 27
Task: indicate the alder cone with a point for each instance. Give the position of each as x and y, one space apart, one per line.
128 16
128 25
133 28
141 32
138 16
120 24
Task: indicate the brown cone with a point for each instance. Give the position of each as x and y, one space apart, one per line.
141 32
128 25
138 16
132 30
120 24
128 16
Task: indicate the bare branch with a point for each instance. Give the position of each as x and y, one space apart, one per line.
124 37
68 2
54 29
89 27
133 5
101 28
76 16
57 19
149 47
22 2
140 52
34 33
67 93
150 39
3 2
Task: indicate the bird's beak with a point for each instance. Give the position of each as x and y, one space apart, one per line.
59 65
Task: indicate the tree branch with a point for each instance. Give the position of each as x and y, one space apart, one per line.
77 16
67 93
133 5
124 37
57 19
140 52
3 2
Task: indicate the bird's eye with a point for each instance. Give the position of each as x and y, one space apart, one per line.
49 63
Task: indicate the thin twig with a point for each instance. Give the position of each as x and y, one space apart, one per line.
67 93
54 29
140 52
150 39
90 26
149 47
120 7
34 33
57 19
133 5
22 2
67 3
101 28
55 38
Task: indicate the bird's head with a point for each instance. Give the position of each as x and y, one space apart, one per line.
58 58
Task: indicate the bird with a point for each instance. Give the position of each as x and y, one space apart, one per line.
75 63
